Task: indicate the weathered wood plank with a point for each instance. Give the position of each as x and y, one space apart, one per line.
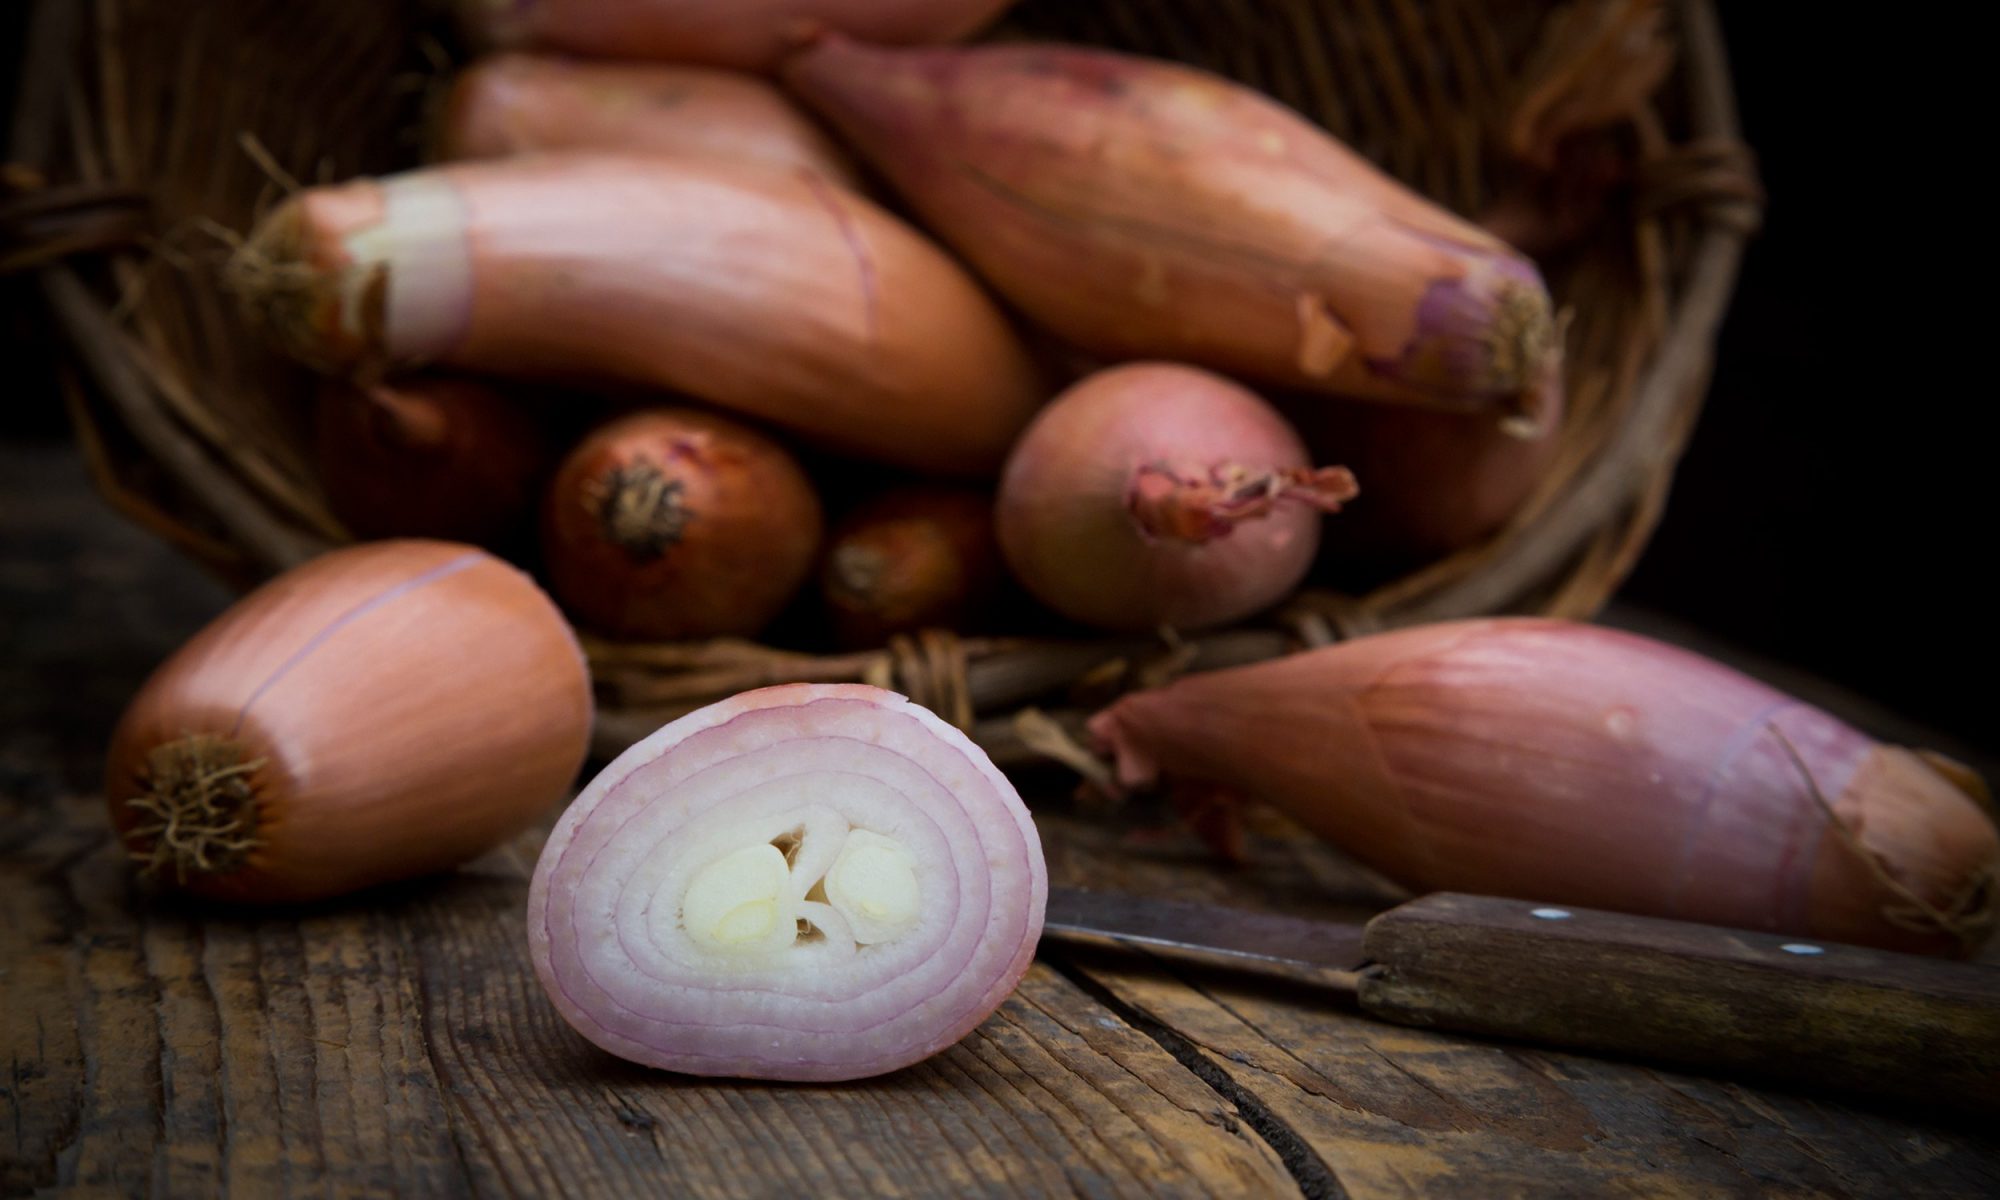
1054 1094
164 1048
1397 1112
399 1043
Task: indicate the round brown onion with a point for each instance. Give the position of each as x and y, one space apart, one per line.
811 882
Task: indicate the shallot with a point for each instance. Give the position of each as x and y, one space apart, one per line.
910 559
746 34
382 712
774 294
1580 765
811 882
676 523
1438 482
1142 208
1155 494
526 104
438 457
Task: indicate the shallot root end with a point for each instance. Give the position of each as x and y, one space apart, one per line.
643 510
278 290
1525 346
198 812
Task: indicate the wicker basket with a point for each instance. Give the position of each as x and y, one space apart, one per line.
150 125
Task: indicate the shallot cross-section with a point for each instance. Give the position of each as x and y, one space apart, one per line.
807 882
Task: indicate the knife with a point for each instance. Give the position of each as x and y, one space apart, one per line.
1783 1009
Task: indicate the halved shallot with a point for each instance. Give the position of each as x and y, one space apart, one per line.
811 882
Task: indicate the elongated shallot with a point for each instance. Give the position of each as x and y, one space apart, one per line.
746 34
1145 209
776 295
528 104
1569 763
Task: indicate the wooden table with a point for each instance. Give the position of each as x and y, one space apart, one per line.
397 1043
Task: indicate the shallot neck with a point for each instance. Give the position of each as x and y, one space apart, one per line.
1200 507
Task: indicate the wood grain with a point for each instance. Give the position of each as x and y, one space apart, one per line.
398 1043
1052 1094
1396 1112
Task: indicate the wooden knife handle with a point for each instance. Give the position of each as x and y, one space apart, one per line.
1789 1009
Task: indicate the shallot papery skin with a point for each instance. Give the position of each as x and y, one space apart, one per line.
1438 482
1145 209
1579 765
381 712
745 34
529 104
672 523
1154 493
806 882
774 294
440 457
918 557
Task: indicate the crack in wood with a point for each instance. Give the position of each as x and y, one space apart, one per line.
421 1025
1315 1179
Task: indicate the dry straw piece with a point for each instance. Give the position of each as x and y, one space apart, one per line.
1509 110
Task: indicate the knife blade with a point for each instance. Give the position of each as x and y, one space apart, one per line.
1788 1010
1322 952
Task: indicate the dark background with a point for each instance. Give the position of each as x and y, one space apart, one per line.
1834 509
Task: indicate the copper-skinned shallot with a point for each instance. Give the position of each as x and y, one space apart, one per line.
775 294
530 104
1145 209
1574 764
745 34
910 559
382 712
440 456
676 523
1438 482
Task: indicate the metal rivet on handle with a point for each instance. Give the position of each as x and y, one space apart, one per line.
1802 948
1553 914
